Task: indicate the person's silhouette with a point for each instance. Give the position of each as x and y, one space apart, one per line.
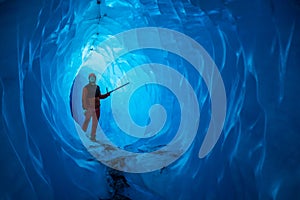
91 96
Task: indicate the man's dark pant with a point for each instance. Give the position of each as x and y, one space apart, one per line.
95 115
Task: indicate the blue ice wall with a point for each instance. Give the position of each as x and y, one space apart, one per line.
46 45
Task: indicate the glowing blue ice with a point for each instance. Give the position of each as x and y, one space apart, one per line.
47 44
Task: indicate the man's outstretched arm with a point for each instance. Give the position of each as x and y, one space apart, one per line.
103 96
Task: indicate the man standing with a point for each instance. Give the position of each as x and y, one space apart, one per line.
91 96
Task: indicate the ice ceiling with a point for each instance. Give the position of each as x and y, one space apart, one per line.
46 45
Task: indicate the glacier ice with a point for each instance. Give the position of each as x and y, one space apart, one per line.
46 45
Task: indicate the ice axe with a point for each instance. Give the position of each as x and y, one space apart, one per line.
117 88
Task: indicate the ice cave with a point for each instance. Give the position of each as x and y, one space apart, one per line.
202 99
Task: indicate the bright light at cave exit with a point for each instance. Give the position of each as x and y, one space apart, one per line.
109 76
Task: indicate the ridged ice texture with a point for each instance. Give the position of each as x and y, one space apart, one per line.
255 45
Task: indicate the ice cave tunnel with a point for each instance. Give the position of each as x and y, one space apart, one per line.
210 111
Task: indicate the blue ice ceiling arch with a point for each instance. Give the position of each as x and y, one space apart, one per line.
253 43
